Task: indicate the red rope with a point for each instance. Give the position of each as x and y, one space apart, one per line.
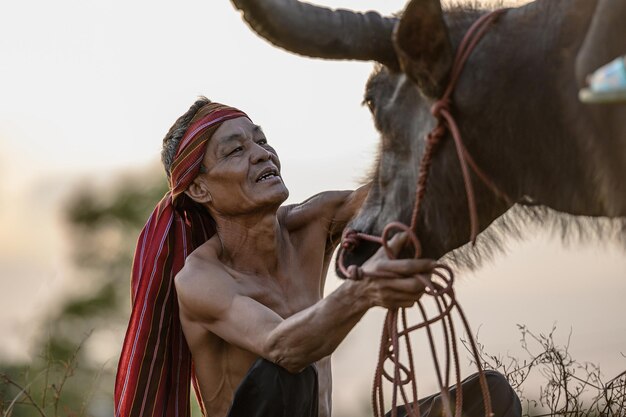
440 285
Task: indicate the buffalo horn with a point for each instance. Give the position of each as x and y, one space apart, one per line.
320 32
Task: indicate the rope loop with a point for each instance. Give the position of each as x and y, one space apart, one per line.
406 376
401 227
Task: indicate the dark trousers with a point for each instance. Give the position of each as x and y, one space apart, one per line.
270 391
504 400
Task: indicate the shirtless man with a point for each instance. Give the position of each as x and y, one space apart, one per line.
255 289
251 295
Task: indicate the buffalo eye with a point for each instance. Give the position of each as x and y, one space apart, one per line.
369 102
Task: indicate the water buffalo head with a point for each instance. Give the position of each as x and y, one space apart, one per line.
500 107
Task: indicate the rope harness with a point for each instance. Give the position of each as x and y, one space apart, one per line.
396 330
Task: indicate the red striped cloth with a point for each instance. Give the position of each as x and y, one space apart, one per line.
155 366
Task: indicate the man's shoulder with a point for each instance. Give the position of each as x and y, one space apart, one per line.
204 256
201 272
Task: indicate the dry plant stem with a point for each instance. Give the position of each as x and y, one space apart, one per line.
47 370
92 389
612 381
69 371
576 413
24 397
23 391
567 380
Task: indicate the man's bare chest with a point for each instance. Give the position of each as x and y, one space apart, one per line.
285 294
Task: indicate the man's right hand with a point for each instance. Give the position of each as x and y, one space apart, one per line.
404 287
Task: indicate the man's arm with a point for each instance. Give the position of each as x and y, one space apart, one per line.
307 336
345 208
334 208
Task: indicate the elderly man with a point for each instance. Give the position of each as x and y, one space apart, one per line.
249 273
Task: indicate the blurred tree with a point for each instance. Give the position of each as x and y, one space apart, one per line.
80 340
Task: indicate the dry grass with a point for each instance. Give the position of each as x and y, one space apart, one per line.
568 387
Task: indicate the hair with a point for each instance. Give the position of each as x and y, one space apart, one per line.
177 131
522 221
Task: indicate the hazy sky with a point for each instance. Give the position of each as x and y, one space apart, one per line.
88 89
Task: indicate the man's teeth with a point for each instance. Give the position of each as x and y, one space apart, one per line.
267 176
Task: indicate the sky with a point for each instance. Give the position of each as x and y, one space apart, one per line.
89 88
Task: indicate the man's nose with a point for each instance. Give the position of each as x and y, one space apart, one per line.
260 154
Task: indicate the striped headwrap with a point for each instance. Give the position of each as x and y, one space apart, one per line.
155 368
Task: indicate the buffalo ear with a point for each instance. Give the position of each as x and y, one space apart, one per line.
423 46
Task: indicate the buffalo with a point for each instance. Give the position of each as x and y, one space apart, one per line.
516 105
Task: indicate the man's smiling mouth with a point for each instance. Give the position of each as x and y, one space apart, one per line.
267 174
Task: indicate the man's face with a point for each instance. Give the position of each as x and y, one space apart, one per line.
243 170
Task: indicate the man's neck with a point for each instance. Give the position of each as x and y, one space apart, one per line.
251 243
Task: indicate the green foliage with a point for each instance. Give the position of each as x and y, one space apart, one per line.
103 224
132 202
102 302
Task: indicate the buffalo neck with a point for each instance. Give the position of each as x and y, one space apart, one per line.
516 105
525 123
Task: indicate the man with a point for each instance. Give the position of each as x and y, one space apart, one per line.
249 295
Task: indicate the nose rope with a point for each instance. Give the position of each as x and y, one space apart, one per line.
440 285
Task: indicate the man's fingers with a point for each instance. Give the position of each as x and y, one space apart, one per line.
402 286
397 242
399 304
406 267
402 295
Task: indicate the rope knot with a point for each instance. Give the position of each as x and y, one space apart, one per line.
350 239
439 106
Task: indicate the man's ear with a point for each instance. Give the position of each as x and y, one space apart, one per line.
198 191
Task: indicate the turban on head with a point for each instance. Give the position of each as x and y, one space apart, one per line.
155 369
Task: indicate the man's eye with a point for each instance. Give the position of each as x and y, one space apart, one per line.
262 141
234 151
